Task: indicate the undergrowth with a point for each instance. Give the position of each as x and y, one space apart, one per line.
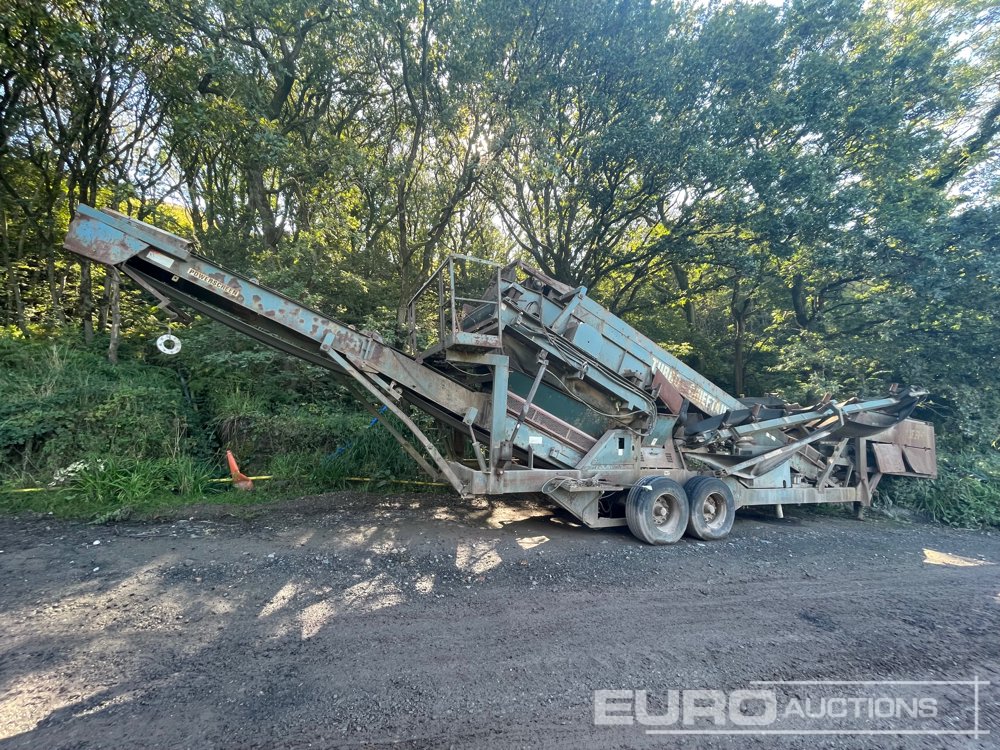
966 492
109 442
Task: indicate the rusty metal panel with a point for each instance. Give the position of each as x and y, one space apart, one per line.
889 458
176 246
100 242
907 448
916 433
746 496
667 393
107 236
908 432
921 460
549 423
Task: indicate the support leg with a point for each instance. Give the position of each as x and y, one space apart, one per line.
498 418
386 399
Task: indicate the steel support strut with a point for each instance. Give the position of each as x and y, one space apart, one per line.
386 398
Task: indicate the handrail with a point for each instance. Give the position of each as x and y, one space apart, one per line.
448 297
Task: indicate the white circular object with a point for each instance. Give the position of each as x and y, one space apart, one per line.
168 344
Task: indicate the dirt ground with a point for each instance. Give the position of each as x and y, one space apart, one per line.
426 621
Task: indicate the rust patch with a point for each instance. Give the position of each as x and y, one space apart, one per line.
666 393
889 458
921 460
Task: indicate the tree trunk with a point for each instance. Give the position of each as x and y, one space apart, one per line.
86 300
740 308
197 220
15 305
57 286
409 282
104 308
261 204
113 285
799 301
739 355
684 284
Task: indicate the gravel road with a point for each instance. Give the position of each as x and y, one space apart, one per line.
425 621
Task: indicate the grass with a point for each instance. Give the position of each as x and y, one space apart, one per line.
99 488
105 490
111 442
965 494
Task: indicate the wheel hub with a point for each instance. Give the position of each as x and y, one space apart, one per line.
710 508
714 510
661 511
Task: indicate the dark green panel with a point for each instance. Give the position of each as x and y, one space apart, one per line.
560 405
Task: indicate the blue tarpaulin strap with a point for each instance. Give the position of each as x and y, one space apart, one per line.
333 456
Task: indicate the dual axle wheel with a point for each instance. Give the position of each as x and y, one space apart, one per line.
659 511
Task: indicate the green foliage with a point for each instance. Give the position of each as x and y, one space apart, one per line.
110 485
966 492
62 402
107 488
110 441
370 455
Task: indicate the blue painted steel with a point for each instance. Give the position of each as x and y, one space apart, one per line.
609 341
606 411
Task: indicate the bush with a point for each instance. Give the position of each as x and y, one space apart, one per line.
62 402
966 492
152 430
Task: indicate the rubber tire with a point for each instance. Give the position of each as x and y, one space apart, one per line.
639 510
698 490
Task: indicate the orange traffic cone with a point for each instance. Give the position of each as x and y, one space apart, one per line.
240 480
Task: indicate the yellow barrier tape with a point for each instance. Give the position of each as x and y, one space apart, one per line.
228 480
397 481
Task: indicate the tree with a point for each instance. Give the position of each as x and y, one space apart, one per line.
77 113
